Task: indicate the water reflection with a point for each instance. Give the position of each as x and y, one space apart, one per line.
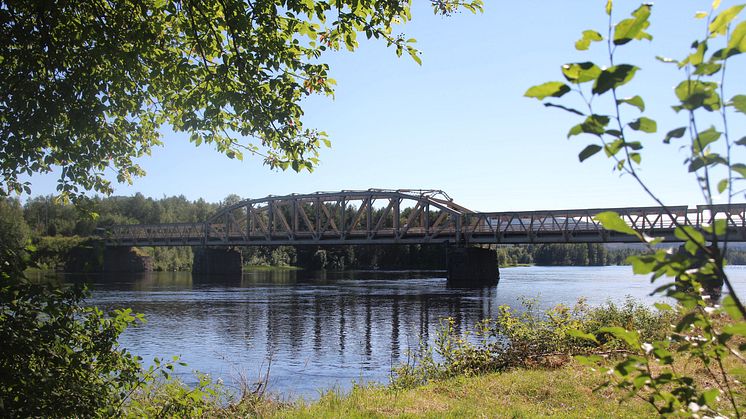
327 329
319 330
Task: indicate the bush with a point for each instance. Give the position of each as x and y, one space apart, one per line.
54 252
59 358
525 338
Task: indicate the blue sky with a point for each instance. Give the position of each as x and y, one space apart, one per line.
460 122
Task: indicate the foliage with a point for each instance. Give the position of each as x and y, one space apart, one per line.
170 259
59 357
53 252
14 232
87 86
525 338
705 333
169 397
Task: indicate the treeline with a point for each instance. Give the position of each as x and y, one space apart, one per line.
56 229
561 254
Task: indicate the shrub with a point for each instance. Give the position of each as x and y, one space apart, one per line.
525 338
60 358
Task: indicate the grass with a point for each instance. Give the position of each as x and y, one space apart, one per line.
562 392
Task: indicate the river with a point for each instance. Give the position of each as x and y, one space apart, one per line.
328 330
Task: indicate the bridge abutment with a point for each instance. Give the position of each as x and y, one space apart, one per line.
472 267
217 261
126 259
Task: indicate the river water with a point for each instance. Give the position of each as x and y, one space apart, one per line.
328 330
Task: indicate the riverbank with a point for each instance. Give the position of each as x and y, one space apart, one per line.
563 392
535 376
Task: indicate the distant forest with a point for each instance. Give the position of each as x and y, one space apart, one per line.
58 229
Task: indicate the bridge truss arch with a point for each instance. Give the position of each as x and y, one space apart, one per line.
345 217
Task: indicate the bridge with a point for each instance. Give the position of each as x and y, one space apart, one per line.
377 216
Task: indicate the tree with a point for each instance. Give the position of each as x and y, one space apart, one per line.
14 232
85 86
706 333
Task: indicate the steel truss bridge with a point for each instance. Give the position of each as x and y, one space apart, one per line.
378 216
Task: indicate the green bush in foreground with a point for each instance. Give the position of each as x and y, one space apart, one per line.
59 357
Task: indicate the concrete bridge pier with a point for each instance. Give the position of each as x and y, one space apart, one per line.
472 267
126 259
223 261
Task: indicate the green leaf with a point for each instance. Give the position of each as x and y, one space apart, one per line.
739 168
612 221
552 88
722 185
628 336
739 102
663 307
689 233
635 101
644 124
588 152
674 133
694 94
718 227
709 397
595 124
724 54
613 147
582 335
707 69
581 72
737 38
613 77
719 25
608 7
697 56
705 138
741 141
633 28
585 41
710 159
575 130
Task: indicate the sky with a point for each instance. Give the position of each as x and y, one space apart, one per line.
459 122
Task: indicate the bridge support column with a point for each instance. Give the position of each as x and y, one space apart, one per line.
216 261
472 267
126 259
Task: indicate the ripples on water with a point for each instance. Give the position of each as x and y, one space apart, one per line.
328 330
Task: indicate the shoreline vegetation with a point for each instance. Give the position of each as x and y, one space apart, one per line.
541 372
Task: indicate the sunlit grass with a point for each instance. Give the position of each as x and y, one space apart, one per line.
563 392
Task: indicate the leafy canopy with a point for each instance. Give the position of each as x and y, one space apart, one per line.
85 86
